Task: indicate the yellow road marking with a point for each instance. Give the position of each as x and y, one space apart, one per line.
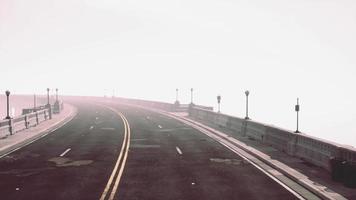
114 190
123 149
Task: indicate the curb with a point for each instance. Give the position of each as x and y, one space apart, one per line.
40 135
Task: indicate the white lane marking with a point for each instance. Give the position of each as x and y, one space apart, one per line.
65 152
179 151
91 128
108 129
96 118
159 126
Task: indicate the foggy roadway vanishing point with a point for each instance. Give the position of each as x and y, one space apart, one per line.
177 99
122 152
114 148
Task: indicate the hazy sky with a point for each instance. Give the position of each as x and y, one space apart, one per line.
278 49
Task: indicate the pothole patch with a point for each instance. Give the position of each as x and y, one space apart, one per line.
67 162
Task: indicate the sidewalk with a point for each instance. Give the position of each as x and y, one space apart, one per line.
314 173
27 136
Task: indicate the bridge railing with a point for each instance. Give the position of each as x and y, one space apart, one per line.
25 121
311 149
146 103
160 105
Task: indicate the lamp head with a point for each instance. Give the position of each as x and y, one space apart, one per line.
218 98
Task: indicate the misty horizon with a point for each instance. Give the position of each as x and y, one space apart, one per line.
278 50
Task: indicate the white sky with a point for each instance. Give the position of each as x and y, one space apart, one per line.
278 49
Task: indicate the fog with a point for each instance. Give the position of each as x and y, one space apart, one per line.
279 50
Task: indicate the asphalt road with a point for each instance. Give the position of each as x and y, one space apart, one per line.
165 160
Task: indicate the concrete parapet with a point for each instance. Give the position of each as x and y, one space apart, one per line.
150 104
311 149
170 107
17 124
315 150
282 140
31 120
255 130
4 128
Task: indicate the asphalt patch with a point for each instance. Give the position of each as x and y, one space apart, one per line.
67 162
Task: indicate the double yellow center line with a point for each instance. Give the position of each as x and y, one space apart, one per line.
111 187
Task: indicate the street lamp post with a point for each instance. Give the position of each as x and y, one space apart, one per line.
48 96
297 108
8 104
191 95
34 102
219 100
56 94
247 93
177 102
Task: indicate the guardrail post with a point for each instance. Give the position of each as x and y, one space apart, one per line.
50 112
11 126
26 122
37 120
45 113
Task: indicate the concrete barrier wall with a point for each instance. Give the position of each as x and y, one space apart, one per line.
282 140
255 130
347 153
315 150
42 116
170 107
31 120
222 120
311 149
236 124
17 124
4 128
150 104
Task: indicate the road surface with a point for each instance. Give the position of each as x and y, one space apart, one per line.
121 152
